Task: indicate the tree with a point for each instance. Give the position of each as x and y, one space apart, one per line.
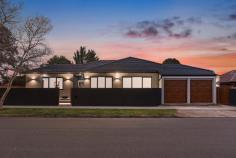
22 48
83 56
9 12
91 56
58 60
171 61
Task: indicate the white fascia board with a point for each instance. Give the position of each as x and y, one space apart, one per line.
187 77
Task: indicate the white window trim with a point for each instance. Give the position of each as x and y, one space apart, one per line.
134 77
56 81
104 80
133 83
96 82
130 79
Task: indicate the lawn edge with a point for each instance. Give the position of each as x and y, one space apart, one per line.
91 113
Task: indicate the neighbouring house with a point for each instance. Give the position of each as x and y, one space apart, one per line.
227 88
179 83
228 79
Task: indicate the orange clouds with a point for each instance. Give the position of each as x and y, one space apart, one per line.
221 63
215 55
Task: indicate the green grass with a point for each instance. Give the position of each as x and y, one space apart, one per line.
46 112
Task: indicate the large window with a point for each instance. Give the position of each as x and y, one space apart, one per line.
127 82
147 82
101 82
45 83
53 82
94 82
137 82
108 82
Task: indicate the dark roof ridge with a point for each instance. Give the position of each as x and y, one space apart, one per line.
122 59
142 60
191 67
66 67
80 64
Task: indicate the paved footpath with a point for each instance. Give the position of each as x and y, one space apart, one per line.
178 107
118 138
206 113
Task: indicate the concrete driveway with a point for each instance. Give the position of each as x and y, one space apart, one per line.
118 138
207 111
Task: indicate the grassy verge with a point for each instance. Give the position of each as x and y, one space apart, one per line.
34 112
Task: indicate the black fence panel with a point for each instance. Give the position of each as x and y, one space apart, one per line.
32 96
232 96
115 97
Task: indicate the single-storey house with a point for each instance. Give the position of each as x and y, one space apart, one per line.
179 83
228 79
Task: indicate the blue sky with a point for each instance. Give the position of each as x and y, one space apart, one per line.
120 28
94 15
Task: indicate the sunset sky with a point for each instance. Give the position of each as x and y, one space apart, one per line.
197 32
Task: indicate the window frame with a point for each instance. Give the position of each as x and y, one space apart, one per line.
105 81
43 82
127 77
91 82
143 82
137 76
56 81
133 82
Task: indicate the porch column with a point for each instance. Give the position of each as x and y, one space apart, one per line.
214 97
75 81
188 91
162 91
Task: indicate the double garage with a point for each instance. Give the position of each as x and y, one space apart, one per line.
188 90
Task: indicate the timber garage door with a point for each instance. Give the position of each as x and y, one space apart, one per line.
175 91
201 91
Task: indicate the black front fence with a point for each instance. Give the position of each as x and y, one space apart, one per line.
32 96
115 97
232 96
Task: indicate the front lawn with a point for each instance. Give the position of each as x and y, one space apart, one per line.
47 112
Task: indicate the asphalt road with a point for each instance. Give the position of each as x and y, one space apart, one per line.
117 138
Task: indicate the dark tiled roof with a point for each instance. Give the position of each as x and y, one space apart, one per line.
128 65
184 70
228 77
131 64
69 68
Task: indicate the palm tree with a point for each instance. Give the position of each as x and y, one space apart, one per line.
83 56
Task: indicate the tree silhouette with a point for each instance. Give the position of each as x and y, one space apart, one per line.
22 43
171 61
83 56
58 60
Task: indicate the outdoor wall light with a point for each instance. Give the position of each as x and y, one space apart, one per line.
117 79
86 77
86 80
67 79
117 76
33 77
